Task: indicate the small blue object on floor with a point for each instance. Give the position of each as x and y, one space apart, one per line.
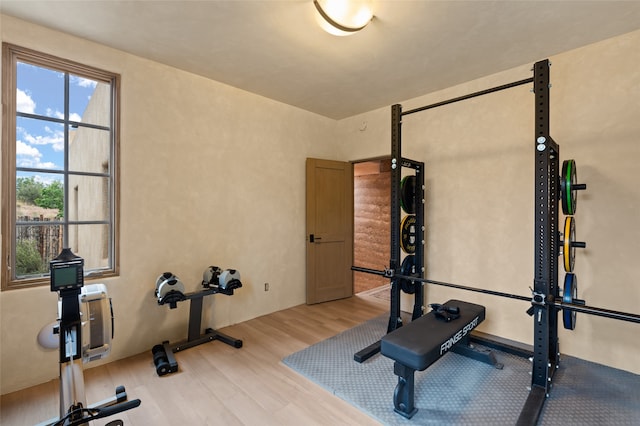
457 390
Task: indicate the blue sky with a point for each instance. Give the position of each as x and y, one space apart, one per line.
40 143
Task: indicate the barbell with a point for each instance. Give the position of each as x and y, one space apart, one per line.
568 303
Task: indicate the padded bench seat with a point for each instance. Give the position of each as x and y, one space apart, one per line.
420 343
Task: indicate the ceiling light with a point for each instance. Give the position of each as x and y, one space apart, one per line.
343 17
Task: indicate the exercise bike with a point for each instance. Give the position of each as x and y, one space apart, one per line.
85 328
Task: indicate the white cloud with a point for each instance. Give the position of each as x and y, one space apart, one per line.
52 138
24 103
74 116
28 150
83 82
55 138
56 114
29 156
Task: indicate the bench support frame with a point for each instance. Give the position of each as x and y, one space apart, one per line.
403 396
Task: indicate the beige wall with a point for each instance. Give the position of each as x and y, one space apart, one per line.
215 175
209 175
90 151
479 157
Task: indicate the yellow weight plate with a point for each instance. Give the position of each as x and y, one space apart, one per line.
568 251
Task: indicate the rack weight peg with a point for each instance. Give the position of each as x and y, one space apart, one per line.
569 187
569 244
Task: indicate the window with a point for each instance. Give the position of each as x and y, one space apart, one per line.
59 165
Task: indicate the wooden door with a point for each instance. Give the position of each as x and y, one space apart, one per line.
329 230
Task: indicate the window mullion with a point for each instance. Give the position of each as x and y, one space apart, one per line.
65 186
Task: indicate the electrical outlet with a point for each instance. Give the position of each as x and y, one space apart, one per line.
266 286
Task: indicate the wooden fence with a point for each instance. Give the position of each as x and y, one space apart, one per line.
47 238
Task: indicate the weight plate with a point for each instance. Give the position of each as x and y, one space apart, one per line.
157 349
408 194
159 357
570 294
408 234
568 182
163 368
569 250
408 268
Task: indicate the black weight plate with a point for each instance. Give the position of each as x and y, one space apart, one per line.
157 349
163 368
569 250
569 294
408 194
159 357
408 268
408 234
568 181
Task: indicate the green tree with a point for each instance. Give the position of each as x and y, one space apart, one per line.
52 197
28 260
28 190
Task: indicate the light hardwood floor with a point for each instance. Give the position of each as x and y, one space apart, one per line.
219 385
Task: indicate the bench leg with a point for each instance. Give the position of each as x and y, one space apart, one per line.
403 395
465 348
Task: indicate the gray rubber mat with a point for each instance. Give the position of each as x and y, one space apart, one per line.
458 390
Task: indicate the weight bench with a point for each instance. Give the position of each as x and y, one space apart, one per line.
420 343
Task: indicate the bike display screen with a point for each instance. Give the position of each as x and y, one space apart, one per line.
66 276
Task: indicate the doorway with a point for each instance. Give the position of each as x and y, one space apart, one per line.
329 210
371 221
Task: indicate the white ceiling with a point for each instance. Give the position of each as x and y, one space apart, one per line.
275 48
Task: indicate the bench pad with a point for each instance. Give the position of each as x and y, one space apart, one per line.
423 341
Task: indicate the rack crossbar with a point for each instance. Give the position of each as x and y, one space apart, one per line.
471 95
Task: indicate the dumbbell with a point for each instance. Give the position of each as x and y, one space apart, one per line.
160 360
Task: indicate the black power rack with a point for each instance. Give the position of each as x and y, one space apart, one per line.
545 300
398 163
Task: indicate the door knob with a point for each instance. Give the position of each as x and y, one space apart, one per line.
313 238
